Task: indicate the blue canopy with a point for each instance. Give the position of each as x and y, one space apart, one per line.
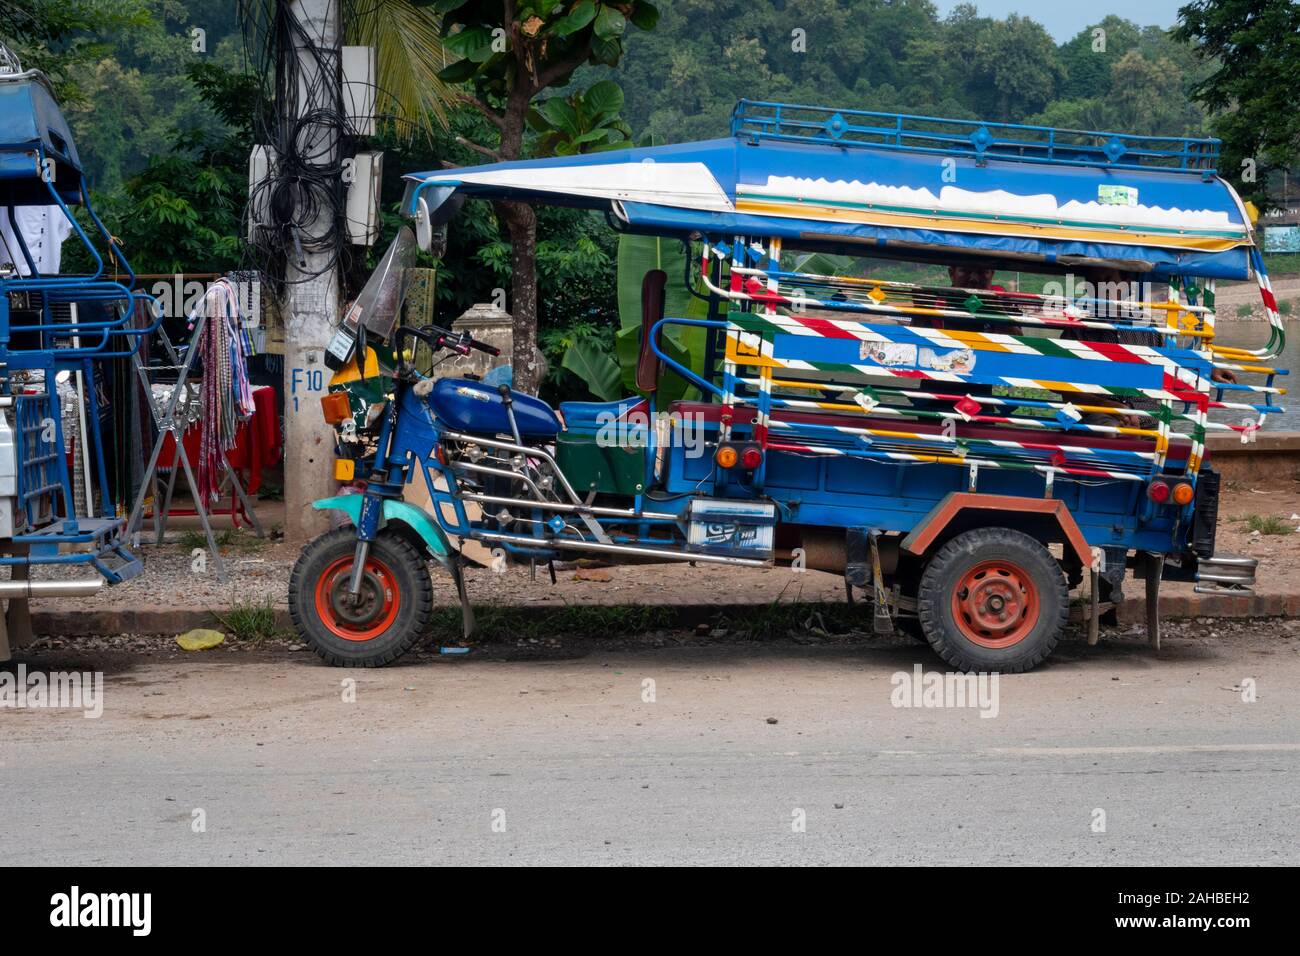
33 129
1055 204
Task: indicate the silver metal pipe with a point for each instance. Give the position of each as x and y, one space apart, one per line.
572 545
521 450
49 589
560 506
1231 562
501 473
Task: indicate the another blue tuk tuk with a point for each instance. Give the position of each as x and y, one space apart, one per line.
55 330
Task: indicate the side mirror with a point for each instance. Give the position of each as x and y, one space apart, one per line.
652 310
423 225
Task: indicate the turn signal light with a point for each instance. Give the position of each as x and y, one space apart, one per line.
1158 491
726 456
336 407
1184 493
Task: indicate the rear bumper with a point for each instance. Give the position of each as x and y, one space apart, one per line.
1226 573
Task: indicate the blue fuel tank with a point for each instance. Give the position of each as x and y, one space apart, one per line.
468 406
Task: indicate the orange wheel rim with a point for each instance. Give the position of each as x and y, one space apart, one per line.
995 604
366 615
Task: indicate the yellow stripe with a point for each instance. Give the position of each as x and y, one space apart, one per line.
986 226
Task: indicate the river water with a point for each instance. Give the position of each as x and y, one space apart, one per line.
1254 335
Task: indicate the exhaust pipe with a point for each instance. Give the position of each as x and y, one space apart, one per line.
48 589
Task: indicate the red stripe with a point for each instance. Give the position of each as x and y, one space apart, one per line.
1116 352
824 328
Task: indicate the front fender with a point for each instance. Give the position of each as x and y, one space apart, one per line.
415 518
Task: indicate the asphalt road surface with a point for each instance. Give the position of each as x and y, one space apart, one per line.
732 755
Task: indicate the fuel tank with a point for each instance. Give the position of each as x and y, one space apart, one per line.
464 405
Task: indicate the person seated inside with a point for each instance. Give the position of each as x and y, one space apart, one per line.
967 279
1115 298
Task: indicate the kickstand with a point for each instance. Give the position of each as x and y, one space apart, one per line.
1094 607
468 624
550 566
1154 570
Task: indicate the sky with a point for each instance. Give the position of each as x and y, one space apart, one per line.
1065 19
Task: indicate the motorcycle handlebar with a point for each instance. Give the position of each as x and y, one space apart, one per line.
437 337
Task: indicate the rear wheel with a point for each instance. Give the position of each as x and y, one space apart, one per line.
383 621
993 599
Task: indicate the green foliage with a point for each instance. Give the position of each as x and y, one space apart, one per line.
61 38
1254 48
582 122
182 212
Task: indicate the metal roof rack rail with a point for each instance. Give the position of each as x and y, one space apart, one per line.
755 121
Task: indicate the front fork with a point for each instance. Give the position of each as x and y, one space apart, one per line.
372 506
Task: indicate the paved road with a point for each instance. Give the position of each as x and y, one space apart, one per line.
575 766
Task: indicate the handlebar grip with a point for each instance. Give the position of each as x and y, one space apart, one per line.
484 347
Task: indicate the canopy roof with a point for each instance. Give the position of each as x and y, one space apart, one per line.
982 193
32 128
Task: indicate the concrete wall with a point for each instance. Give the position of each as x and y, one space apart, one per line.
1271 456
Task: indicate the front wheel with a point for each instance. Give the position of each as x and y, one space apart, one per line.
392 611
993 599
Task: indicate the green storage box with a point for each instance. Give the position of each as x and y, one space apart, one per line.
609 469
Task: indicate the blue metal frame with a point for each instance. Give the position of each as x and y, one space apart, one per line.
44 484
756 120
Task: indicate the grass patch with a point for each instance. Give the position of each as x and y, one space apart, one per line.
250 621
1268 524
227 539
1285 307
1244 311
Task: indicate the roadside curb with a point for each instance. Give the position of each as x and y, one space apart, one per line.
178 620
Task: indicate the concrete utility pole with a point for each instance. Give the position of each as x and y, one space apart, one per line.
311 304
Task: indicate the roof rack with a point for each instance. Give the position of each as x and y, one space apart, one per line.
755 121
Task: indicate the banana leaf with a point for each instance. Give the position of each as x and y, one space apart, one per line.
637 255
596 367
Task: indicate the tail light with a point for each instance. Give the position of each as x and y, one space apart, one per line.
747 456
1158 491
1184 493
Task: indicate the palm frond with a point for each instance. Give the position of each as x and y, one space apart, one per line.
409 56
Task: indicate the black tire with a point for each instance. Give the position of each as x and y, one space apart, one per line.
1009 592
396 610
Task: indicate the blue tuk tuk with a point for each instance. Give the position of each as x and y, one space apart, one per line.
964 455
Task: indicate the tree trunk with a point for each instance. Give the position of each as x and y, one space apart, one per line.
521 223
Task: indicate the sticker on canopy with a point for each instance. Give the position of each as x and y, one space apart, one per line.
1112 195
888 353
959 361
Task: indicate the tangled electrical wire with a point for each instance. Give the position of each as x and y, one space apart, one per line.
298 228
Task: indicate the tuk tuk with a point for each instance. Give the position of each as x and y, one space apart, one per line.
965 455
56 331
